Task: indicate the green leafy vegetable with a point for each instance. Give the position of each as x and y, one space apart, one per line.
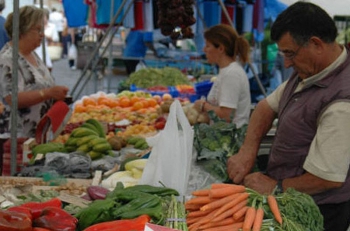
149 77
215 143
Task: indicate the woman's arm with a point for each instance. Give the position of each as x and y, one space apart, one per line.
222 112
30 98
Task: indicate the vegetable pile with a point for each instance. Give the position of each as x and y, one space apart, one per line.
234 207
47 215
149 77
216 142
127 203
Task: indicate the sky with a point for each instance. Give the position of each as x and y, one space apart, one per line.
333 7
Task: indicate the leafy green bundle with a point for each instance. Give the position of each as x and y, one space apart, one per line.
149 77
215 143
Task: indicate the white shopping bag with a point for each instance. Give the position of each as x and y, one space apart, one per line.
170 159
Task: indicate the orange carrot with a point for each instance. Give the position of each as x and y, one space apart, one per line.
240 213
194 227
192 207
192 220
232 227
259 216
222 216
226 191
230 211
217 203
237 199
272 202
219 185
226 221
201 192
199 200
197 213
207 218
249 219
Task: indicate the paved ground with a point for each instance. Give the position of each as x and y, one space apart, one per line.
89 83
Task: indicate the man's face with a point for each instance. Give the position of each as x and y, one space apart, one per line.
300 57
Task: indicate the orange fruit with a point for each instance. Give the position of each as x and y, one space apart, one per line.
101 99
137 105
166 96
113 103
79 108
145 103
152 102
124 102
134 99
158 98
89 101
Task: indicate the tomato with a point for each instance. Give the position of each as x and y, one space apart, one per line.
159 125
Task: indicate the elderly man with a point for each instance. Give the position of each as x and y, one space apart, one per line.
311 149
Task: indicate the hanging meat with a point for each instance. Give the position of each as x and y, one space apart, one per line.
175 18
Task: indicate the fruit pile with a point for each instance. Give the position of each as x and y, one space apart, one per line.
113 108
89 138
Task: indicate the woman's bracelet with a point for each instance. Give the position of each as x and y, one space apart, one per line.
42 94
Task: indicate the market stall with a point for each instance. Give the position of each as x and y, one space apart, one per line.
95 170
121 160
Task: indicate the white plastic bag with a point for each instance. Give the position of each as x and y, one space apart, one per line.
171 156
72 52
140 65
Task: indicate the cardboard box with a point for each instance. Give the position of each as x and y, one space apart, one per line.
27 150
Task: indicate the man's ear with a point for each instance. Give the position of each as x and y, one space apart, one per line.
317 43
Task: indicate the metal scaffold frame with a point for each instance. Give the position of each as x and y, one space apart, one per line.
93 61
110 32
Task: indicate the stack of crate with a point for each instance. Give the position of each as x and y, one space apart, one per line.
6 165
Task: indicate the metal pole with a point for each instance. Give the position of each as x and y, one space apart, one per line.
44 40
261 86
14 98
225 12
110 53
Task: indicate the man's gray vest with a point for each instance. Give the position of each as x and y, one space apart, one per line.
297 126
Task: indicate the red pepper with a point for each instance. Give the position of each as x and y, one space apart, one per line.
37 207
40 229
56 219
14 221
23 210
136 224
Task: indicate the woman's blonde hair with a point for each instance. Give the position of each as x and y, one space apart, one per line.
234 44
29 16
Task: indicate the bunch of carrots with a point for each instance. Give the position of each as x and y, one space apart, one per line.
228 207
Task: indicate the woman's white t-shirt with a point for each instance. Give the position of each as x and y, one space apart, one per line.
231 89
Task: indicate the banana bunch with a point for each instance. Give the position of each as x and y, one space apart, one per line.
89 138
138 142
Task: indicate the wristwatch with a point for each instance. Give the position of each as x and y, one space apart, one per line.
279 187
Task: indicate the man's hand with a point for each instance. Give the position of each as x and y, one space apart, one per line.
239 165
260 183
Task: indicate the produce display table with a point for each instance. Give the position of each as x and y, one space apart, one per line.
33 184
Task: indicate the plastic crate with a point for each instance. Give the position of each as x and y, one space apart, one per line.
170 90
203 88
6 165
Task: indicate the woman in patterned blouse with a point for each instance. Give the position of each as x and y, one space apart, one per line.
36 87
